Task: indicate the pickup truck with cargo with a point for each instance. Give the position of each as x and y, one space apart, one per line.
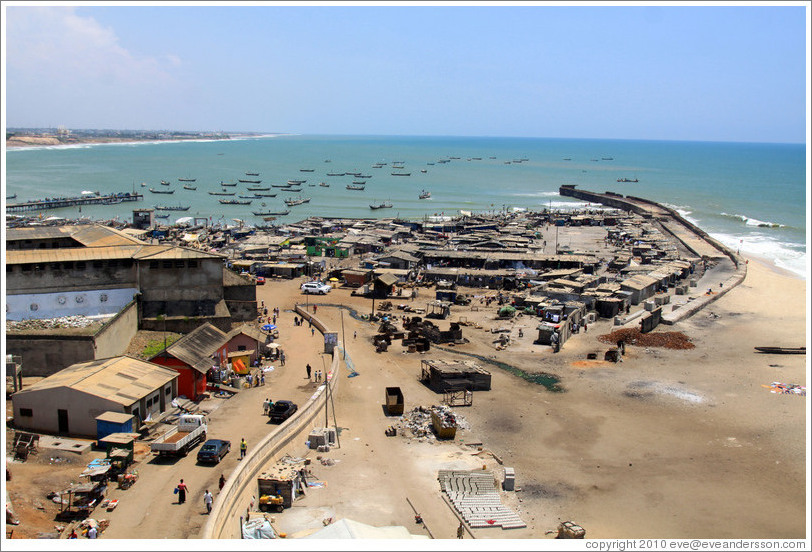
179 441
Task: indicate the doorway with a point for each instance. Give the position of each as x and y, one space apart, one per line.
62 420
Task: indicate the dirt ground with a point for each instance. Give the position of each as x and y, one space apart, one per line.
668 443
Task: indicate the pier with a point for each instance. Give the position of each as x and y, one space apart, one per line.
59 202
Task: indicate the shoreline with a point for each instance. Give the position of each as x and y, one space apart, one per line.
101 141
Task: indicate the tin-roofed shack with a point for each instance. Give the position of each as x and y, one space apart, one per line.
442 376
283 479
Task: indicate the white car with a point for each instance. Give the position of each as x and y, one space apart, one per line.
315 287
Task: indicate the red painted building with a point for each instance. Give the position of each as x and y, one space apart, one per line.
192 356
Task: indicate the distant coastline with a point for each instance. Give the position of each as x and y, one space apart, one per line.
48 139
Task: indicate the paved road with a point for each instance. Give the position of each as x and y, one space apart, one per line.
149 509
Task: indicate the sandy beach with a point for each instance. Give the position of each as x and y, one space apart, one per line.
668 443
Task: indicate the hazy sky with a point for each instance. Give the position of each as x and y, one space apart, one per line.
689 72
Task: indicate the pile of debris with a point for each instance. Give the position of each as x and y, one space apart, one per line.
633 336
77 321
417 423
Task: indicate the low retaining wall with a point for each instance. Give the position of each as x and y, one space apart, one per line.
227 508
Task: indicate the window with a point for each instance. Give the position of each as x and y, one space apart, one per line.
26 412
98 264
67 265
178 264
167 264
127 263
168 390
240 347
192 264
80 265
26 268
56 266
153 264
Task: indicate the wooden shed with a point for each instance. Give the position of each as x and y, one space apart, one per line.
442 376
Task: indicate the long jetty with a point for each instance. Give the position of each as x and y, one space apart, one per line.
59 202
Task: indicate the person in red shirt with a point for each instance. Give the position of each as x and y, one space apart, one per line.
182 490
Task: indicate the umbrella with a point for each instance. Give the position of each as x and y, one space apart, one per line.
334 279
273 345
268 327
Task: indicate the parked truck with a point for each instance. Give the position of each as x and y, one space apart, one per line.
179 441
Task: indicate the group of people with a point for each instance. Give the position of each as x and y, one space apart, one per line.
267 405
318 375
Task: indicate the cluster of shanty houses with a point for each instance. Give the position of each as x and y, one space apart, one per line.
173 283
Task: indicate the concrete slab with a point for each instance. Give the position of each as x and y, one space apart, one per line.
61 443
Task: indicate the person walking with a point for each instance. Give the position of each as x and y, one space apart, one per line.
262 378
222 482
92 532
312 330
460 531
207 500
182 489
243 448
354 335
309 369
265 406
282 358
314 309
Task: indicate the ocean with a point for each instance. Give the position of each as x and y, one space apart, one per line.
749 196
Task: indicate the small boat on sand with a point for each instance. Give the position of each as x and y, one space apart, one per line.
782 350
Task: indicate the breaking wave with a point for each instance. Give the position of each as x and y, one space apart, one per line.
749 221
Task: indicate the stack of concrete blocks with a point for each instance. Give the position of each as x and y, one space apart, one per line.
509 484
322 438
475 497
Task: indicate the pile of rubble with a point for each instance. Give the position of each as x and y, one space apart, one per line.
77 321
633 336
417 423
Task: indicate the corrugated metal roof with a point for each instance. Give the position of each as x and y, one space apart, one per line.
197 347
121 379
251 331
30 256
137 252
161 252
87 235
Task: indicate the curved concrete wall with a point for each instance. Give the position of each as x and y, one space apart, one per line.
227 508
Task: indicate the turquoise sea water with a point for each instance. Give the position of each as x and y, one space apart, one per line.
728 189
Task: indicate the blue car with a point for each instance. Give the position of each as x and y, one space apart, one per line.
213 450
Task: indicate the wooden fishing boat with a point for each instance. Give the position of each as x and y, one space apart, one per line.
222 193
782 350
154 191
234 202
